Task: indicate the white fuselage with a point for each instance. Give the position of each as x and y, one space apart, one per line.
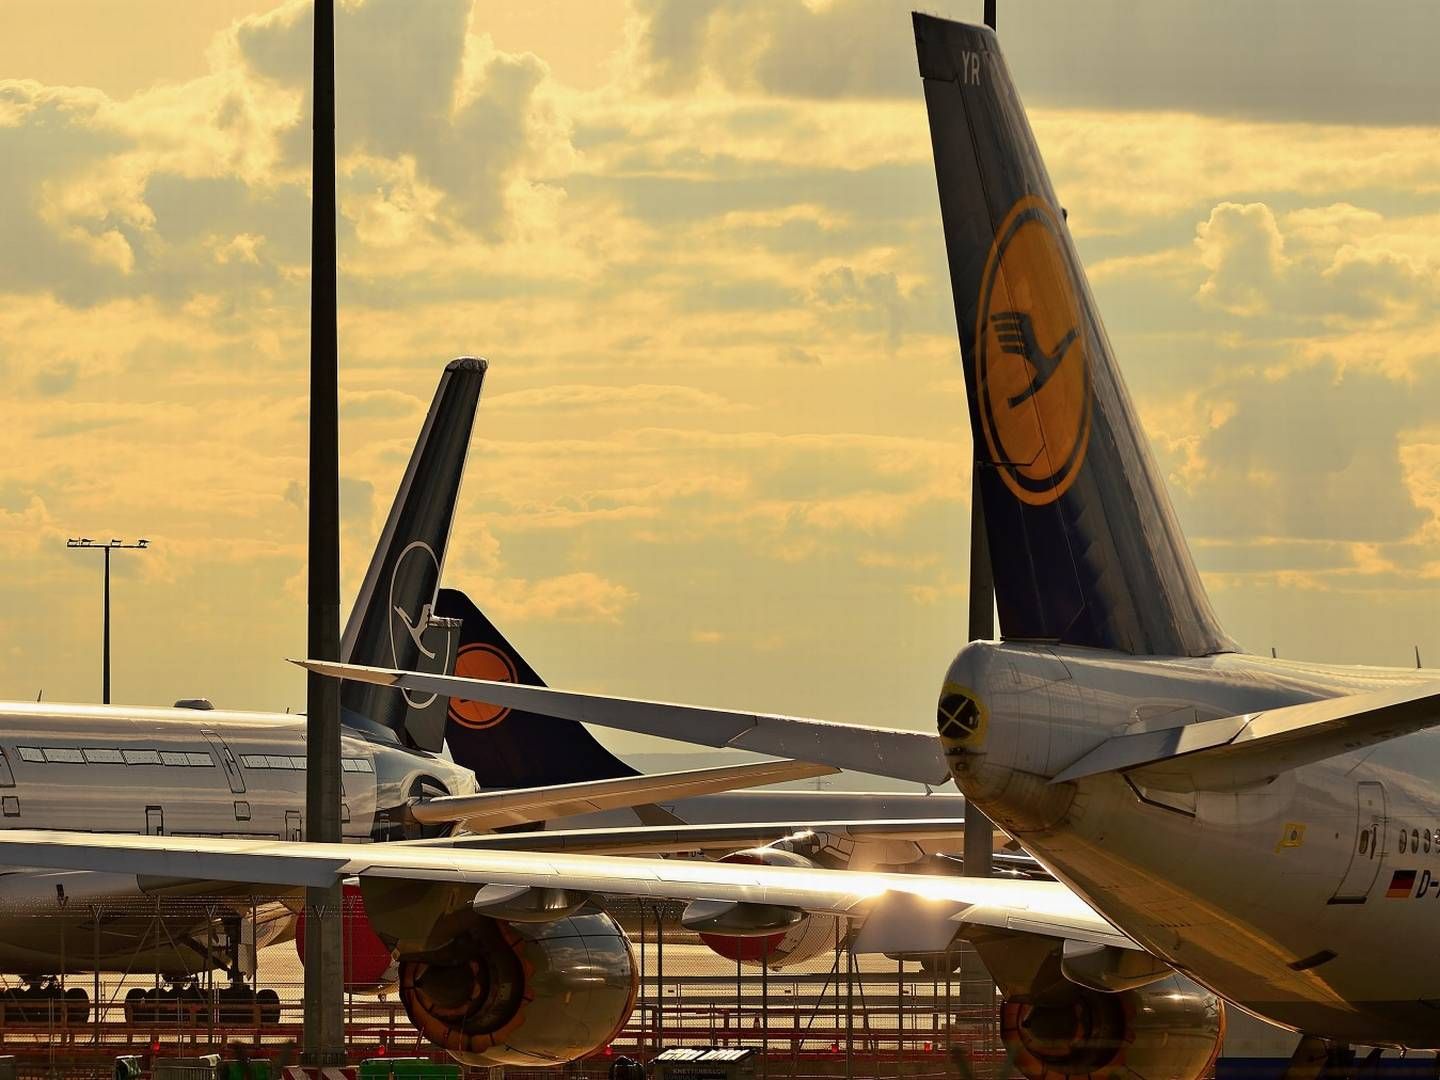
175 771
1277 896
196 772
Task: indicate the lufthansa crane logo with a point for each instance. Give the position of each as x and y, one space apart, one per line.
416 572
480 661
1032 374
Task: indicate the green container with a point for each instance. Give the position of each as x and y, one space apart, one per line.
254 1069
408 1069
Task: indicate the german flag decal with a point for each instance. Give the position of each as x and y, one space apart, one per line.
1401 884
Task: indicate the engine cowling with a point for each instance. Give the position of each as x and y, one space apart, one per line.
524 993
806 938
1167 1030
369 965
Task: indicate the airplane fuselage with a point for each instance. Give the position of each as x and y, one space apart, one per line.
1312 899
173 771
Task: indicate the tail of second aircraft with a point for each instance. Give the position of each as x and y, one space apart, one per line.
393 622
506 748
1083 541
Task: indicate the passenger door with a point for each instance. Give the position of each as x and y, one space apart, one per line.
227 761
1368 850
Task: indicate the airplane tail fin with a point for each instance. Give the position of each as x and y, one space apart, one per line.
506 748
1084 544
393 620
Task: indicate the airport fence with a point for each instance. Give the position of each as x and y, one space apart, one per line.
826 1016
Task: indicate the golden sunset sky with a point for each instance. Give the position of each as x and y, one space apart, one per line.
722 455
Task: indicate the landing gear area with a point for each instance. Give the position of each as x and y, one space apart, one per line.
188 1002
43 1001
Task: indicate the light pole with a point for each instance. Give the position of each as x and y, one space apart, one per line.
114 545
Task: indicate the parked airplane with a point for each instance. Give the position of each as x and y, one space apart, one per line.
198 771
837 829
1262 826
1265 826
195 770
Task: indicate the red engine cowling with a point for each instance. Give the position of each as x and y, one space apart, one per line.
524 993
809 937
370 967
1166 1030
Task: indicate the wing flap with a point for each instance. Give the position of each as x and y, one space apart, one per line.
730 836
1238 751
893 752
494 809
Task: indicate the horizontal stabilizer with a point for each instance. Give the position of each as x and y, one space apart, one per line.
903 755
524 806
1237 751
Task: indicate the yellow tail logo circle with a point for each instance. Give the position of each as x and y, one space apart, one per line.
480 661
1032 373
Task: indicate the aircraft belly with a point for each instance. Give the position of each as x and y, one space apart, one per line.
1204 893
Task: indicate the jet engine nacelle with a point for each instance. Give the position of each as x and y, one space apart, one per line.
1166 1030
533 993
792 940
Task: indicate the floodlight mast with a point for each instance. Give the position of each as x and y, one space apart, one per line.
324 1037
114 545
979 833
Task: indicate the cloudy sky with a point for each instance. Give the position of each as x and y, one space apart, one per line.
722 454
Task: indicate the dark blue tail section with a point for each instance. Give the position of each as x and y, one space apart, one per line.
503 747
393 623
1083 541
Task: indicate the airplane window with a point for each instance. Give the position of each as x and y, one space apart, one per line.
99 755
174 757
348 765
202 760
297 763
64 754
1365 842
254 761
31 753
1426 837
1402 841
140 757
365 765
1414 839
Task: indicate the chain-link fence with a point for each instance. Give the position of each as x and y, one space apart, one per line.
188 975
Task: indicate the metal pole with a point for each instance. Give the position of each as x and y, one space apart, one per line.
644 1031
764 1007
324 1040
978 830
659 978
105 663
849 1002
97 1002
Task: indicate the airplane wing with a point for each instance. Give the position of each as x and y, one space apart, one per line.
1237 751
727 837
894 752
524 806
902 907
